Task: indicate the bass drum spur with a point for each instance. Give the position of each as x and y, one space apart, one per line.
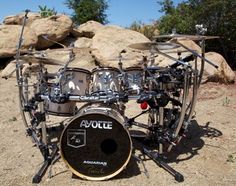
95 144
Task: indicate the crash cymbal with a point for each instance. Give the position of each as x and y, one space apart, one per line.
153 45
40 60
184 37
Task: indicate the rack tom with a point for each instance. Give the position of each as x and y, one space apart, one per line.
105 80
134 79
76 81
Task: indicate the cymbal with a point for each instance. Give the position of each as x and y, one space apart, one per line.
153 45
118 58
184 37
40 60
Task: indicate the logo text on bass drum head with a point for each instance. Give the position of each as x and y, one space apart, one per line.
96 124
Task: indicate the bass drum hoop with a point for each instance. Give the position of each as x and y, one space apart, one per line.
84 112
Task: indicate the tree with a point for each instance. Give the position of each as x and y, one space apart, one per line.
85 10
148 30
218 16
46 12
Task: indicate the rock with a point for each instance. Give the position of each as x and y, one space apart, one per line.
68 41
223 74
18 19
110 41
10 34
83 42
55 28
87 29
9 70
190 44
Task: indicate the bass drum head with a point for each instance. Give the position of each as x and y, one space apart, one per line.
95 146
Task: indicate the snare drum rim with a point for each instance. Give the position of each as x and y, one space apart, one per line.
96 178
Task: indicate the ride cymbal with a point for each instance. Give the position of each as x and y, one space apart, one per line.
184 37
40 60
153 45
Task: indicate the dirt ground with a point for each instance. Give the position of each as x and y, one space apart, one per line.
207 156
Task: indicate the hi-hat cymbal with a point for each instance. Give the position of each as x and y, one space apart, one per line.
184 37
40 60
153 45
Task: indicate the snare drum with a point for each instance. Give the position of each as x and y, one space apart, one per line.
105 80
134 79
76 81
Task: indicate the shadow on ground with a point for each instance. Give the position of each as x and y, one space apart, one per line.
193 142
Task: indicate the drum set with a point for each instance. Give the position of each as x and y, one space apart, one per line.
95 139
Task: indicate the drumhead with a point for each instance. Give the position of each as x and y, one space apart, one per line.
95 146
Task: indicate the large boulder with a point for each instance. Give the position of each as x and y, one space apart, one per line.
10 34
83 42
87 29
9 70
111 40
68 41
18 19
54 28
222 74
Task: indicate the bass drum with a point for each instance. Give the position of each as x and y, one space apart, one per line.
95 144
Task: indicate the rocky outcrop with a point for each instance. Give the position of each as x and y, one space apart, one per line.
96 45
54 28
9 35
223 73
87 29
111 40
83 42
83 57
18 19
9 70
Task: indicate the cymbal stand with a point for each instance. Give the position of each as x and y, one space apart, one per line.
19 72
123 75
198 55
159 160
